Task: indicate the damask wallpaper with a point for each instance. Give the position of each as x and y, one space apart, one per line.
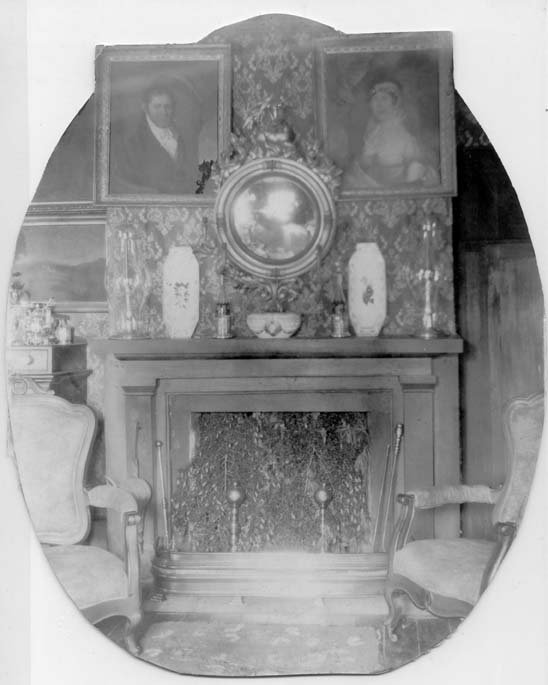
395 225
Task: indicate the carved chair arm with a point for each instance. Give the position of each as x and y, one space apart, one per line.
430 498
505 531
142 492
112 497
117 499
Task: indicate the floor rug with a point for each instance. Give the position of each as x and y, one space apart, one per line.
238 649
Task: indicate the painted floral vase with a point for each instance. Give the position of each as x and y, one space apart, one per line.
181 292
367 290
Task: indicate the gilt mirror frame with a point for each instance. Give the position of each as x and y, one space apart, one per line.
250 218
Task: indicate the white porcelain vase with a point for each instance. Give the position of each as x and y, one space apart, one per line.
181 292
367 290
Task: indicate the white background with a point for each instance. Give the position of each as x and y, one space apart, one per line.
46 70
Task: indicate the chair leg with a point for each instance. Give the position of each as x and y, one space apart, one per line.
130 636
393 598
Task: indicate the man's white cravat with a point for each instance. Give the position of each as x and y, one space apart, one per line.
165 137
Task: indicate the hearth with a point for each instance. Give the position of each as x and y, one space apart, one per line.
242 575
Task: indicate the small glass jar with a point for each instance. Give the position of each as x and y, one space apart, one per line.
223 320
339 313
339 321
63 333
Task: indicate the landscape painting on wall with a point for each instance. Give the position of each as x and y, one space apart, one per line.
385 112
64 261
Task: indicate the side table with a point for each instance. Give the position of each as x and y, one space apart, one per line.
61 368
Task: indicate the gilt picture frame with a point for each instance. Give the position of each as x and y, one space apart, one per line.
162 119
385 112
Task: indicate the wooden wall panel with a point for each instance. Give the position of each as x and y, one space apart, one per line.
475 402
501 319
447 469
419 450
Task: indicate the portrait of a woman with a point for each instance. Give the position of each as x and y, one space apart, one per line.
389 155
385 116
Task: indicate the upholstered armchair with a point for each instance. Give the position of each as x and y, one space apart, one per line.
447 577
52 440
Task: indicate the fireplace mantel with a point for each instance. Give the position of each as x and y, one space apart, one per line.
250 374
253 348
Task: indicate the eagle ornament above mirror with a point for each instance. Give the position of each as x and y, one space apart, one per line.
275 208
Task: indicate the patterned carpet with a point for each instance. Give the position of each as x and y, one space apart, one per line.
238 649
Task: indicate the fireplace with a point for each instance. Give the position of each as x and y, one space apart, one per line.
168 391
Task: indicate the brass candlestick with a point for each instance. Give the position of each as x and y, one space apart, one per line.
323 497
235 497
430 276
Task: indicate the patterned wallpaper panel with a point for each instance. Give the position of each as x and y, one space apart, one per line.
273 56
394 224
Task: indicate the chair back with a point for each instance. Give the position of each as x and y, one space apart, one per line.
523 422
52 440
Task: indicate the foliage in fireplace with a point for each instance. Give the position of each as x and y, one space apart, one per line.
280 459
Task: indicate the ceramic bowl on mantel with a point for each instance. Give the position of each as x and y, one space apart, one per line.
274 324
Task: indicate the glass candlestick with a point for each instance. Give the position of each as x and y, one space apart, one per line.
134 283
429 276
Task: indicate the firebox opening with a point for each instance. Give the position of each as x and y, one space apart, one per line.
283 462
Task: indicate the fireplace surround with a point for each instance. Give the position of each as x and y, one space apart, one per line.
417 378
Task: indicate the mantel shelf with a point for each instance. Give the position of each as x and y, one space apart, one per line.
253 348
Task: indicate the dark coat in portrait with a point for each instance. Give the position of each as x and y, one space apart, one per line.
141 165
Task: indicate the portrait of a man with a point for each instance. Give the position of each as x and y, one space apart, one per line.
163 118
153 157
